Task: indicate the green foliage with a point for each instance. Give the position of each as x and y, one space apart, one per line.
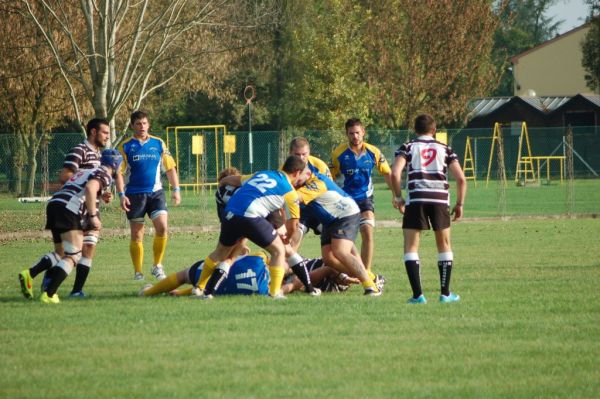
526 326
590 47
524 25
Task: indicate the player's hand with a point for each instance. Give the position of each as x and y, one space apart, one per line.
94 222
107 197
399 204
125 203
176 197
457 211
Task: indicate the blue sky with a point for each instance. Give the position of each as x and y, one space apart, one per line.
573 12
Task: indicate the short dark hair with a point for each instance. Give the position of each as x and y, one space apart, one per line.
424 123
293 164
353 122
95 123
137 115
228 172
298 141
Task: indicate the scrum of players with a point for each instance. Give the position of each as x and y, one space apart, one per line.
274 209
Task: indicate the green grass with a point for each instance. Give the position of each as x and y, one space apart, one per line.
199 210
527 326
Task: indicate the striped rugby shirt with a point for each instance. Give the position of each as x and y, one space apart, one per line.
427 161
82 156
72 194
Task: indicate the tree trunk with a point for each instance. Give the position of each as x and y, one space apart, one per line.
16 183
32 164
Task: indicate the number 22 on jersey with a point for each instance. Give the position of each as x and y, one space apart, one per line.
262 182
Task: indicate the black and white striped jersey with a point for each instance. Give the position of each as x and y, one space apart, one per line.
222 196
82 156
72 193
427 163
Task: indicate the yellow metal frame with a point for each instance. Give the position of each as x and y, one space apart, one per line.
524 162
496 137
468 162
176 130
547 159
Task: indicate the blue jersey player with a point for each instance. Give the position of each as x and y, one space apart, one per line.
355 162
248 275
246 217
340 216
145 156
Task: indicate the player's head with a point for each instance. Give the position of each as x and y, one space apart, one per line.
228 172
139 123
295 168
424 124
98 132
355 131
111 158
300 147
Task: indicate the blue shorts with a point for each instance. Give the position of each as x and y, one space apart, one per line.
366 204
258 230
308 220
344 228
151 204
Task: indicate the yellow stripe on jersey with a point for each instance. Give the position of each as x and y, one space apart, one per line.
321 166
292 207
334 167
121 148
313 188
167 160
381 163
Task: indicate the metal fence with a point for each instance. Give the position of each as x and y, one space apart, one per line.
266 149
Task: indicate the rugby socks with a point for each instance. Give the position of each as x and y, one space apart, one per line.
445 267
44 263
207 271
165 285
372 275
370 285
276 273
298 265
57 275
159 246
413 269
217 278
81 273
136 250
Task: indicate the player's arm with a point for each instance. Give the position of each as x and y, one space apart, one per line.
396 182
92 188
461 188
120 181
65 174
292 209
171 171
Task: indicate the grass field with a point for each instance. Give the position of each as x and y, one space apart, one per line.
482 201
527 327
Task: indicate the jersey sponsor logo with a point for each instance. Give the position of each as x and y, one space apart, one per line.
428 155
143 157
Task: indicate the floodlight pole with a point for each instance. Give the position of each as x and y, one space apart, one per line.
249 95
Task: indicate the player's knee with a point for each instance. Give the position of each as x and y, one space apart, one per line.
366 223
90 239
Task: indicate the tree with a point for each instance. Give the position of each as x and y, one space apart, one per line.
128 50
590 47
432 55
523 25
323 61
31 94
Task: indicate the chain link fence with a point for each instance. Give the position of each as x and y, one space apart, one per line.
23 172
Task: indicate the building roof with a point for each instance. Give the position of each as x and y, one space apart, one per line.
546 105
